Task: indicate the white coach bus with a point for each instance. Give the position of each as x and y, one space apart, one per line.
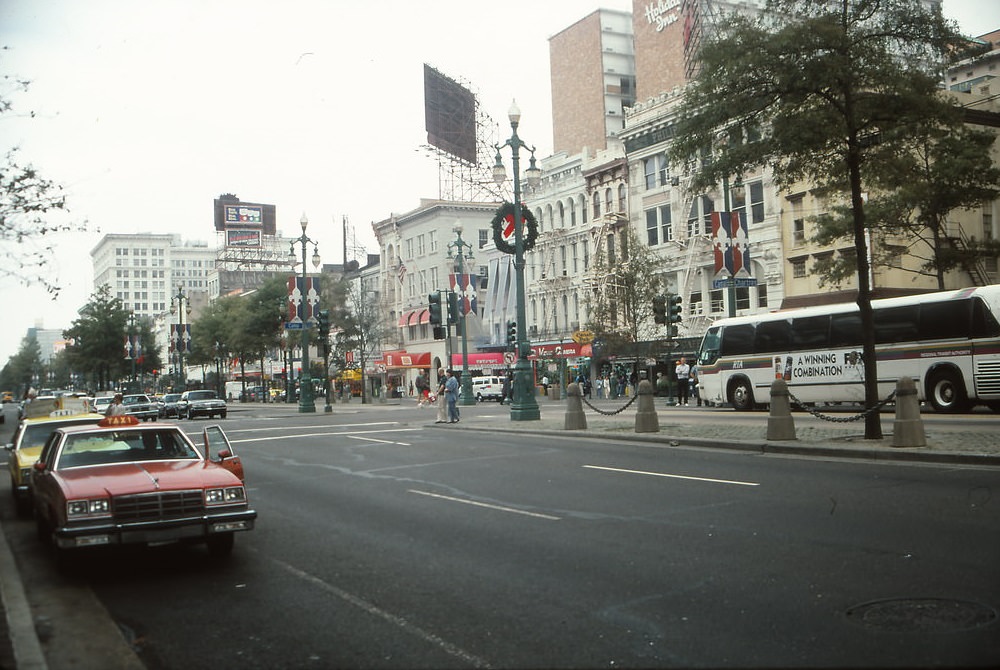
947 342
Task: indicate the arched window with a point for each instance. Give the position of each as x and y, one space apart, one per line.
609 203
597 205
562 215
622 205
583 209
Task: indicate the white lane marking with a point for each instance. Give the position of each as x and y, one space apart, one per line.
362 604
664 474
372 439
348 434
338 426
487 505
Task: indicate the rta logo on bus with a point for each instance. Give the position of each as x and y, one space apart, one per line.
853 358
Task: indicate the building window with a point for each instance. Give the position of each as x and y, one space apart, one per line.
799 268
742 298
649 169
666 223
484 237
609 203
695 306
572 213
652 228
700 216
597 205
755 190
798 232
575 259
562 215
622 204
761 296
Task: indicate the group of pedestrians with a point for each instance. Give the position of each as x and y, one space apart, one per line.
445 398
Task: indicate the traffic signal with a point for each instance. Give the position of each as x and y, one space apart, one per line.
674 309
434 305
323 321
453 307
512 334
438 332
660 309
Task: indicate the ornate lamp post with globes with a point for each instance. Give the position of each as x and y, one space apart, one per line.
461 251
524 407
307 399
180 305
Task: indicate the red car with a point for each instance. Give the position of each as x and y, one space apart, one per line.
122 482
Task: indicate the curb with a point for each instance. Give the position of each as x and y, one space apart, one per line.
23 639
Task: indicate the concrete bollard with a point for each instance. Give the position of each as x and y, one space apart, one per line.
575 418
780 425
908 428
554 392
646 420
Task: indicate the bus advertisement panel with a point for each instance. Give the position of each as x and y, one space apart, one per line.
947 342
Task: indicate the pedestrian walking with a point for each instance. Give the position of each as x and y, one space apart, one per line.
683 374
442 401
451 393
423 387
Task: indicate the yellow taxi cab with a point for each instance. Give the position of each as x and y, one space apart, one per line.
39 422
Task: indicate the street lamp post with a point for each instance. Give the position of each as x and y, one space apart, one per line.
524 407
462 251
180 305
307 399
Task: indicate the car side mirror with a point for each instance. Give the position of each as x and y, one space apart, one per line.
39 466
224 454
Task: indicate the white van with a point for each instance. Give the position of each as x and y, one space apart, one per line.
487 388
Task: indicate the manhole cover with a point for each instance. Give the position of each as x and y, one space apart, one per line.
922 614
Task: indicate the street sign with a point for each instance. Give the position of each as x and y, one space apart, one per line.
293 325
739 282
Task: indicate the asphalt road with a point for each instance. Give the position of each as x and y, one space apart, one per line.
386 546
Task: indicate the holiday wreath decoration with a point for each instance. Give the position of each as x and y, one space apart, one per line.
503 228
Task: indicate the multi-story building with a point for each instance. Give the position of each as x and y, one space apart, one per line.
417 260
592 66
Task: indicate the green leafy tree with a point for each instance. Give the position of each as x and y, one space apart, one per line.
821 92
32 209
18 374
359 327
98 337
939 171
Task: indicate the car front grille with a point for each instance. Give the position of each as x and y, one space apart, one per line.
158 506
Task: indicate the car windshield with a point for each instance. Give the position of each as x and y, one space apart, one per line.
133 399
201 395
172 397
125 446
35 435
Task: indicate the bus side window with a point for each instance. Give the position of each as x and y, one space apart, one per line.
772 336
896 324
944 320
737 340
845 330
811 332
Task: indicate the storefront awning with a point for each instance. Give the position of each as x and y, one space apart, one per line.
404 359
414 317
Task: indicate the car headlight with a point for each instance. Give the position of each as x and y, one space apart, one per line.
95 507
227 496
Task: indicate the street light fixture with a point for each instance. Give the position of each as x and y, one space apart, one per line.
180 305
524 407
307 399
461 251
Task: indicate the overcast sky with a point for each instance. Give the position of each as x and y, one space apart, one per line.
146 111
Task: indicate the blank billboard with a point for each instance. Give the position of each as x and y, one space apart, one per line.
449 115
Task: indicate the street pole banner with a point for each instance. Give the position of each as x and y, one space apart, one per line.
730 244
303 299
180 338
465 286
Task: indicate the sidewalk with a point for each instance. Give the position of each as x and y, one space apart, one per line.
952 444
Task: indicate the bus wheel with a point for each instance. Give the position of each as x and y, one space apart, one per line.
741 395
946 392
